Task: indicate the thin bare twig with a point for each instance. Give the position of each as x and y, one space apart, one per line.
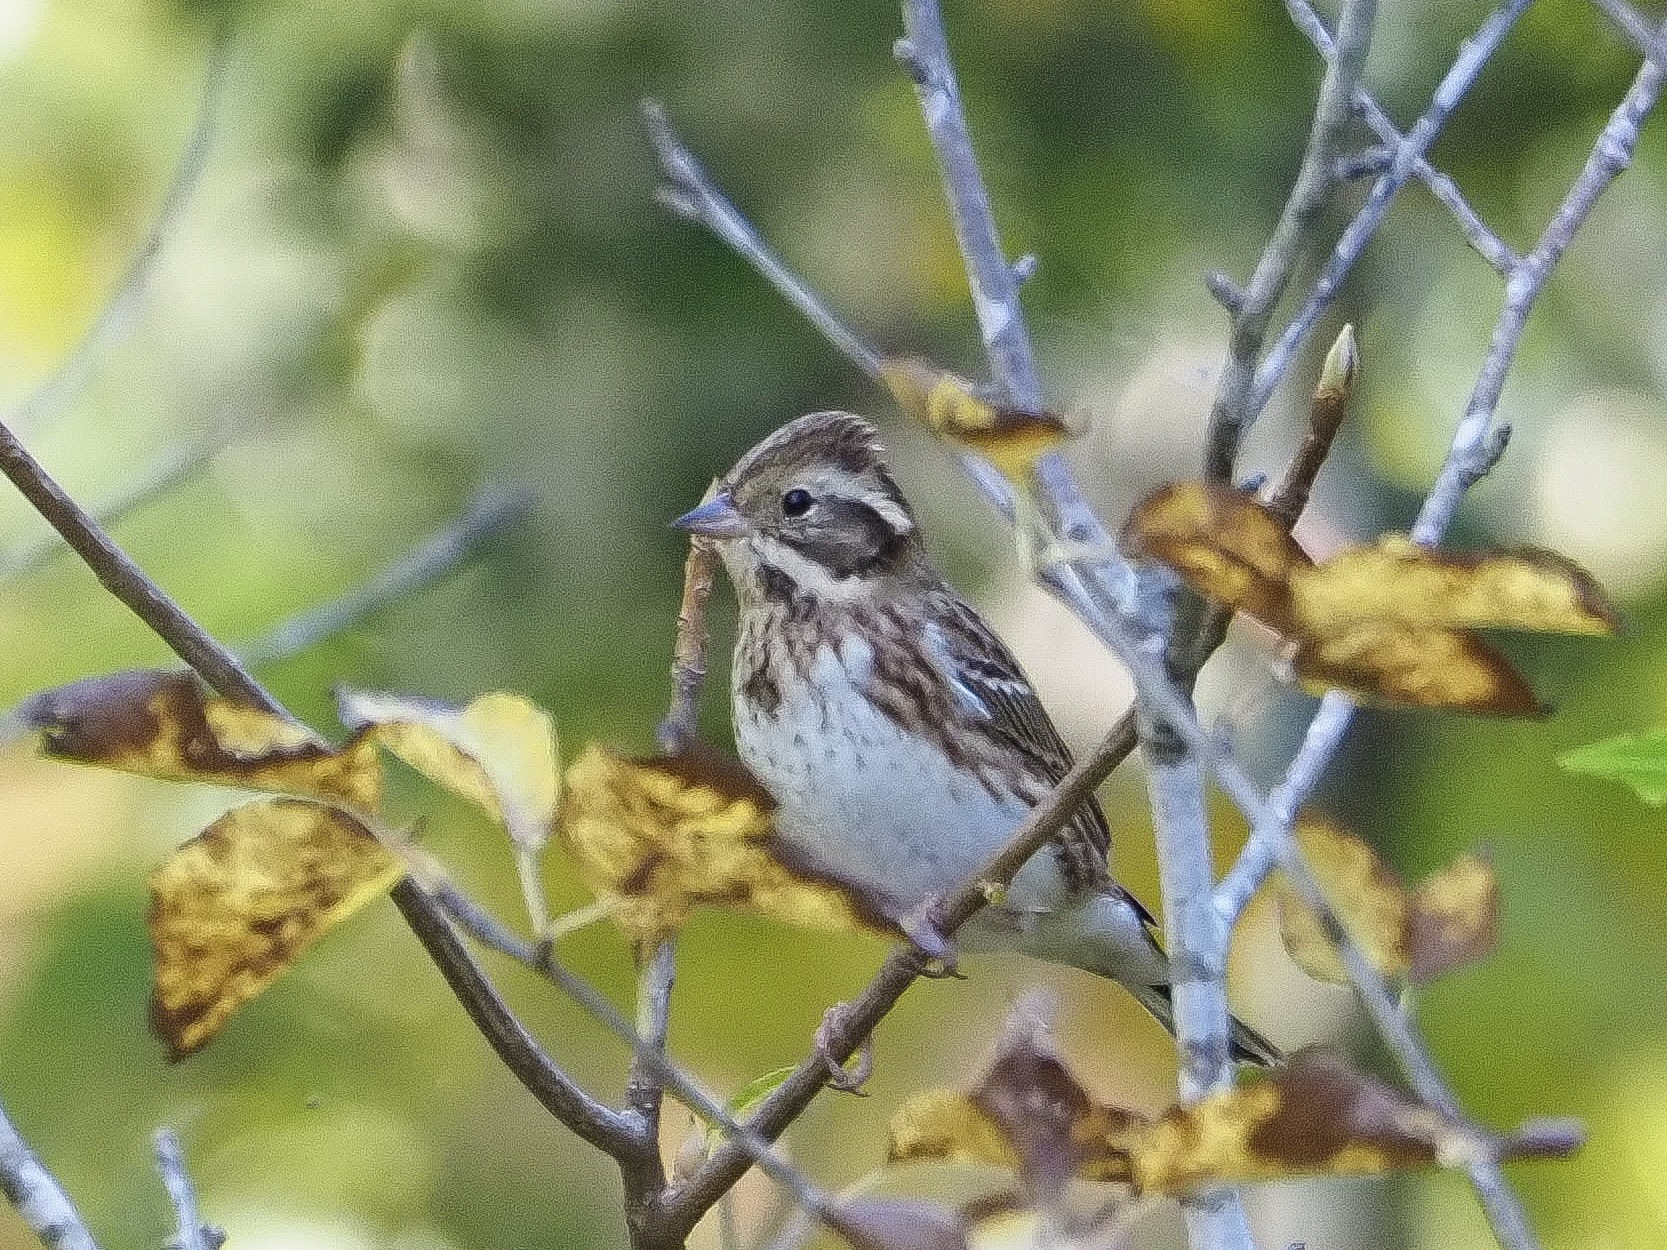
924 53
1232 412
488 514
1477 233
156 479
1473 56
190 1231
127 581
645 1177
42 1203
118 312
689 193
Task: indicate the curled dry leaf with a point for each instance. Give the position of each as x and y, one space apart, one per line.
499 752
657 837
1315 1116
239 903
167 725
1450 920
1391 621
952 408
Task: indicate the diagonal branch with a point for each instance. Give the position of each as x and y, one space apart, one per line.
617 1133
1232 410
156 479
222 671
489 513
924 54
1477 233
1473 55
686 1203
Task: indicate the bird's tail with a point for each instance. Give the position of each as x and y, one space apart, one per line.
1244 1043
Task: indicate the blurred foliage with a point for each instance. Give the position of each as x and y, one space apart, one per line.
424 255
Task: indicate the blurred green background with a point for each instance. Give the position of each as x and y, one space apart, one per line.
424 257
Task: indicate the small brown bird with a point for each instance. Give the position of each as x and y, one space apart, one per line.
898 736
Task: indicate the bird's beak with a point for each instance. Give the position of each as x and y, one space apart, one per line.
716 518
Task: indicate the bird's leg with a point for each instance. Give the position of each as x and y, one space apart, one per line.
845 1080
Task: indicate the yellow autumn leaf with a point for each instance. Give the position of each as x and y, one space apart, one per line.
1389 662
1222 544
1450 920
951 408
499 752
167 725
657 837
239 903
1396 580
1390 622
1454 919
1368 898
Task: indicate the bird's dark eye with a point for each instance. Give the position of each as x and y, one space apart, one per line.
796 502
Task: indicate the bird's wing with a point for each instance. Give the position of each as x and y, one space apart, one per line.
989 684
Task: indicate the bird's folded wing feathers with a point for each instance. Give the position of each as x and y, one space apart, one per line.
989 684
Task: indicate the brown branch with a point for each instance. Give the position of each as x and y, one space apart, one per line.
221 670
619 1135
688 662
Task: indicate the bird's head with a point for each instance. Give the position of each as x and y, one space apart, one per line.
813 502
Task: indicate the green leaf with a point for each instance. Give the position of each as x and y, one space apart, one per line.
746 1099
1638 760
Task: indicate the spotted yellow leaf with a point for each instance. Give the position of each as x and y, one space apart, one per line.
239 903
1392 621
1315 1116
657 837
167 725
1450 920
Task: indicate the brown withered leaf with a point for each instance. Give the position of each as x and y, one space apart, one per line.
238 904
1389 622
499 751
950 406
657 837
1315 1116
167 725
1223 545
1450 920
1028 1113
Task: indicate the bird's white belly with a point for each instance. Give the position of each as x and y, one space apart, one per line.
868 803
